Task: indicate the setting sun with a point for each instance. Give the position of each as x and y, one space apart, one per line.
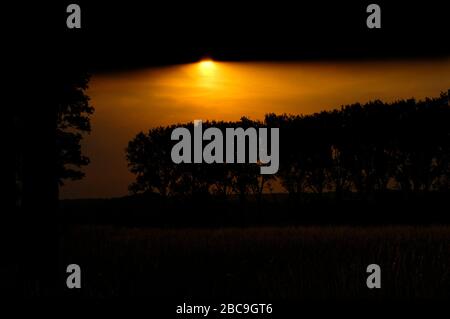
207 66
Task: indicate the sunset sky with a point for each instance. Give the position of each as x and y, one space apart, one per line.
132 101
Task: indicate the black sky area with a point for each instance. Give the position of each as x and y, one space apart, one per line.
132 34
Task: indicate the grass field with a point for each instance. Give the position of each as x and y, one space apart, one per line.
261 263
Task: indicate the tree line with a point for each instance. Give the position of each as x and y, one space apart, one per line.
359 149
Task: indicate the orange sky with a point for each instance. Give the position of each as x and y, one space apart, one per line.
129 102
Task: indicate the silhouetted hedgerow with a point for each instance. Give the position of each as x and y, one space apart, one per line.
359 149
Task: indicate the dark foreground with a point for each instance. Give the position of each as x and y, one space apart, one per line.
260 264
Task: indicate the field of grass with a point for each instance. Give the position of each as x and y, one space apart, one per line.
261 263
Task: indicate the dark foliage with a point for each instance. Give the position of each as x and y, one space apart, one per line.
73 111
361 149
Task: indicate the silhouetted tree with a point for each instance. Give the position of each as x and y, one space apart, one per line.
149 159
73 120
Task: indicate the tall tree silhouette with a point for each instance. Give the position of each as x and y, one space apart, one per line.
73 119
50 120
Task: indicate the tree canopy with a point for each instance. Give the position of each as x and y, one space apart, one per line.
359 149
73 120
